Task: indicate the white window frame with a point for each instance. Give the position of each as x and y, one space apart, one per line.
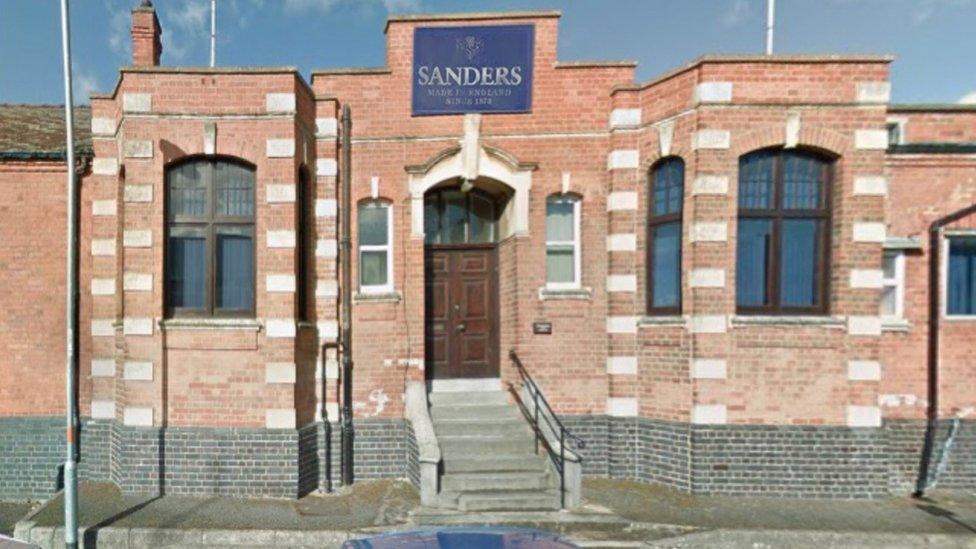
899 122
898 282
387 288
575 243
944 275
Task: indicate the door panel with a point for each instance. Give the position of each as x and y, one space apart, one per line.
462 312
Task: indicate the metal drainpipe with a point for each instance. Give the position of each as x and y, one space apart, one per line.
346 275
935 306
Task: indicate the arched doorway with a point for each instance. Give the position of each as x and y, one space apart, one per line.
461 281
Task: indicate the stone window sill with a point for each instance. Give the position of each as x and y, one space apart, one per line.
663 320
958 318
788 320
566 294
895 325
243 324
386 297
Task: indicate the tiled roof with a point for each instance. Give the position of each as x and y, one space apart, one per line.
37 131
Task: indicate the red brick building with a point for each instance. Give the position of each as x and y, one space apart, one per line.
720 278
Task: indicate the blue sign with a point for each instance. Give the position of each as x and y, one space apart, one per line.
472 69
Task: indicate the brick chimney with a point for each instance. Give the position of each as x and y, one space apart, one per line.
146 46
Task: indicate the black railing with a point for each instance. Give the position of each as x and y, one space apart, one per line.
556 426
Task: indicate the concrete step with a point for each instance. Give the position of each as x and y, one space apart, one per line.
487 462
488 413
469 398
466 427
496 480
454 446
509 500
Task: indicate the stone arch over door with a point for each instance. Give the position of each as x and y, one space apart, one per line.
474 164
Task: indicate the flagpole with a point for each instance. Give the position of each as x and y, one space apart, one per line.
70 465
770 23
213 33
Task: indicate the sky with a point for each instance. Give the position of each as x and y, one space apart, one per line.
933 40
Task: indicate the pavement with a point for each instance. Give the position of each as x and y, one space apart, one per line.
11 512
615 514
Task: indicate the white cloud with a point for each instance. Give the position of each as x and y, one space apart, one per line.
83 83
968 99
738 12
925 9
324 6
118 30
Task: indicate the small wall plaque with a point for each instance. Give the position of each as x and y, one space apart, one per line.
542 328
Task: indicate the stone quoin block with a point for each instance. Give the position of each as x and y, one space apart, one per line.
625 118
709 368
711 139
281 239
282 418
103 328
280 148
326 247
863 416
709 414
327 288
866 278
103 409
137 238
281 283
103 286
332 369
707 278
280 193
871 140
138 193
710 184
622 283
102 127
873 92
279 102
103 367
136 102
623 159
137 282
622 242
105 166
871 185
326 167
325 207
279 328
104 208
621 201
622 365
328 330
137 326
621 407
138 370
326 127
279 372
707 324
713 92
869 231
138 148
863 370
621 324
137 416
709 231
103 246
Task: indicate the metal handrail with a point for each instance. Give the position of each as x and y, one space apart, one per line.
564 433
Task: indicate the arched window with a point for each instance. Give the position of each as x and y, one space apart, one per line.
209 239
782 264
665 202
563 241
375 247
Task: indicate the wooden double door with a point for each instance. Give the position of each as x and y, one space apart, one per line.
461 305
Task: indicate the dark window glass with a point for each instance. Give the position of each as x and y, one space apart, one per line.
664 236
210 239
374 246
302 212
455 217
961 291
781 254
